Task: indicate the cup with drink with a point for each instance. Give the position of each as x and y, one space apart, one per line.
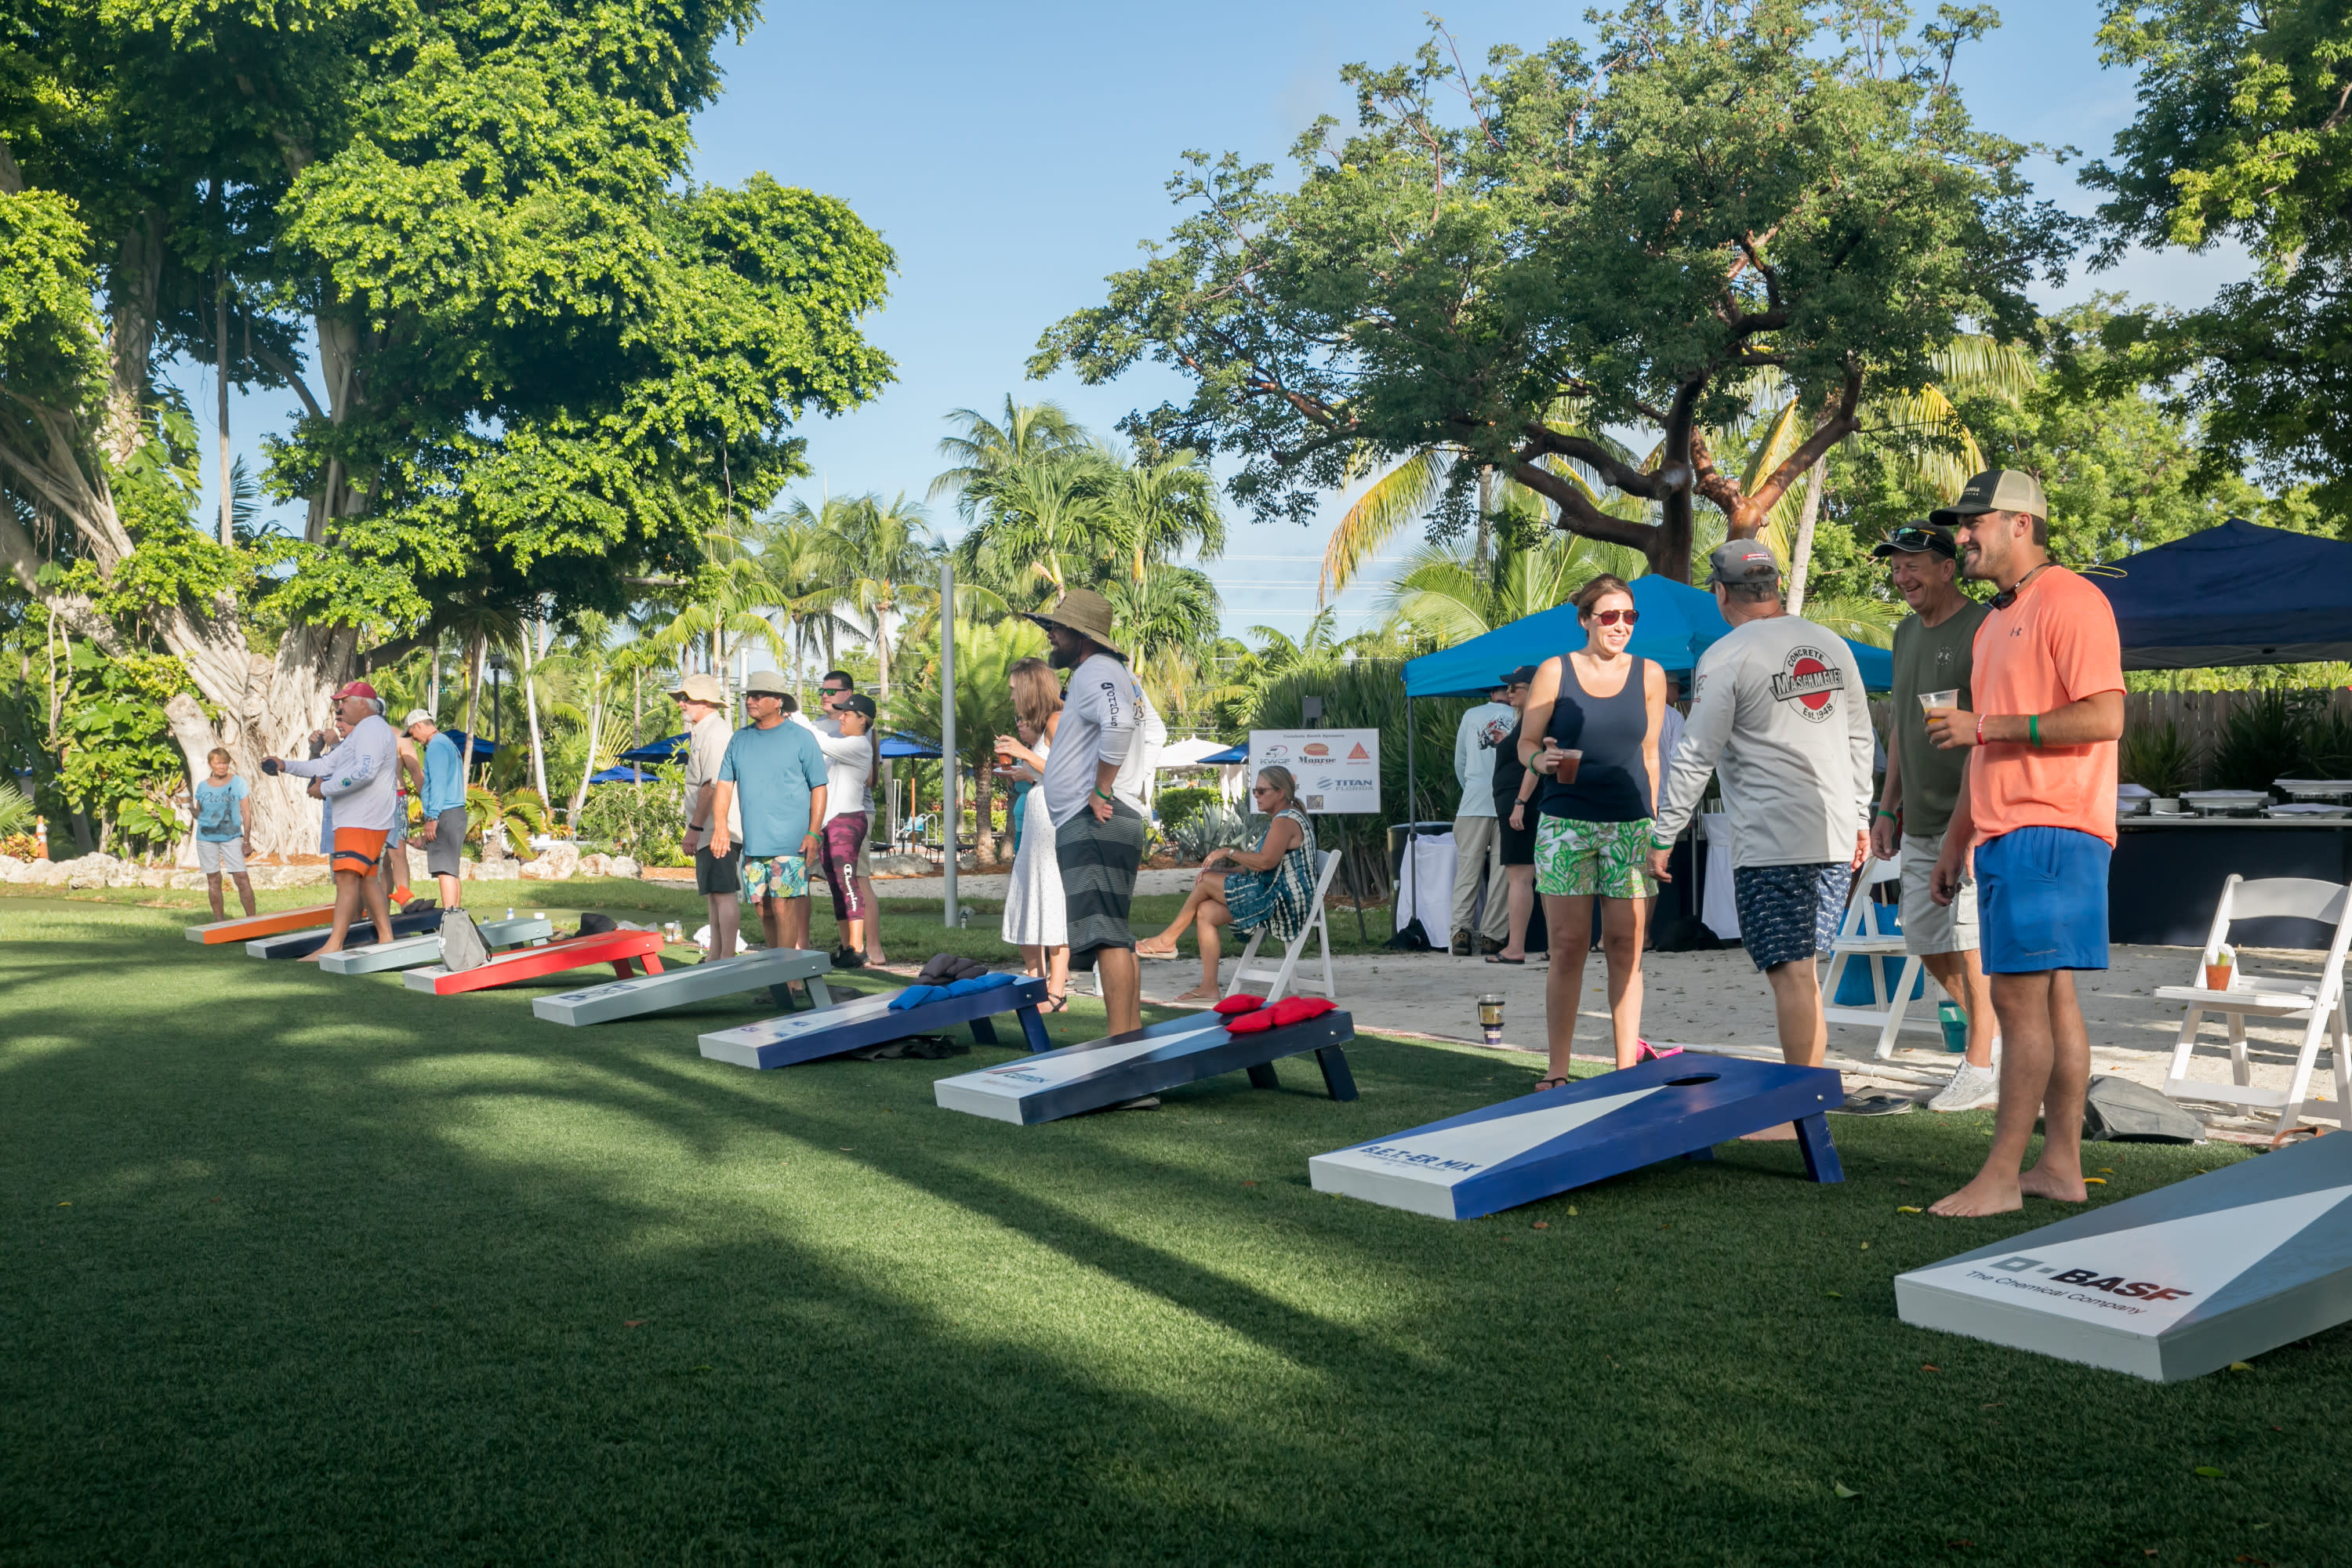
1565 772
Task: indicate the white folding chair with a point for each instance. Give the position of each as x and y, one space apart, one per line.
1856 938
2317 1006
1285 977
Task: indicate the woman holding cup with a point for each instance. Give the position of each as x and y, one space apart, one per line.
1593 717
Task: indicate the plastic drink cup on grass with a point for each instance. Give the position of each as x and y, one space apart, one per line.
1955 1025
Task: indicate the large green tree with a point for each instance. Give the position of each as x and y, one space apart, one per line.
533 358
1506 267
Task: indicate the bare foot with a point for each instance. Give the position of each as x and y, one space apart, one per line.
2060 1185
1989 1193
1786 1132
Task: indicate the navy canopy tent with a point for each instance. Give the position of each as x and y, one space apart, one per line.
1677 624
2239 594
483 749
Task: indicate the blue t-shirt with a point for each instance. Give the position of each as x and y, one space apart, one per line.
444 776
773 772
216 809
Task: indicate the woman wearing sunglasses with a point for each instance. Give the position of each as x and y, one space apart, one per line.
1272 886
1593 717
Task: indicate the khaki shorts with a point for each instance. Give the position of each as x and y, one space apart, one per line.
1929 927
865 867
215 855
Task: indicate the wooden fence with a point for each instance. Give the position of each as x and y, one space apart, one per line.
2202 715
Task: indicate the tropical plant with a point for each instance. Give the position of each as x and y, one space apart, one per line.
15 811
2160 758
2327 746
503 824
985 657
1212 828
1182 802
645 821
1446 594
2263 739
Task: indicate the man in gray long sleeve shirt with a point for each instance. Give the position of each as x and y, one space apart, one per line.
1780 712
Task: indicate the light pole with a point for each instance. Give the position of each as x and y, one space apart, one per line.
946 730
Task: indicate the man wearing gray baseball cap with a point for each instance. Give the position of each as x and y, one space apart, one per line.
716 877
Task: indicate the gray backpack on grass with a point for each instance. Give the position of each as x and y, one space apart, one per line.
462 947
2118 1110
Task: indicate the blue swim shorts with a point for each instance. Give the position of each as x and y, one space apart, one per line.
2041 901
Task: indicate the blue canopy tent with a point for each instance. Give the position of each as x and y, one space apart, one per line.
2239 594
673 749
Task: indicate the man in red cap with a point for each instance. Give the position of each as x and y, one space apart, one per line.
360 779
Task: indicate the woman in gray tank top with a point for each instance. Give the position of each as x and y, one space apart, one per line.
1593 717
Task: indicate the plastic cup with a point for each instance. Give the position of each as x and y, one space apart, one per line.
1931 700
1569 762
2217 976
1490 1017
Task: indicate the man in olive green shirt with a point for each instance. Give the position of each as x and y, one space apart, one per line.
1933 653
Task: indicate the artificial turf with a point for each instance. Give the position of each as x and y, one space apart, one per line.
300 1269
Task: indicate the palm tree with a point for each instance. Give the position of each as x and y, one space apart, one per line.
891 558
985 450
1447 595
985 657
1160 507
1170 608
1040 524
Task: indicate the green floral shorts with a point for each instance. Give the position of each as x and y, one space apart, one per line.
775 877
1584 859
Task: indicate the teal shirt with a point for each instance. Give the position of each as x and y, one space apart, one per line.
444 776
773 770
216 809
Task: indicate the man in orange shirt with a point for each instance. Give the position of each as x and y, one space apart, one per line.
2039 812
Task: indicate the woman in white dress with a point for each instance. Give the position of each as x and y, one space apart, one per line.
1036 920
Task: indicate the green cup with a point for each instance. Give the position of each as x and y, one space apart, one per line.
1955 1025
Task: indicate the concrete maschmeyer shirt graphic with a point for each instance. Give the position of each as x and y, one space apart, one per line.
1778 709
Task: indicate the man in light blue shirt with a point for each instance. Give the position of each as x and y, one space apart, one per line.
1477 845
778 770
442 803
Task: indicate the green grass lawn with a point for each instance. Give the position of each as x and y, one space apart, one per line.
307 1269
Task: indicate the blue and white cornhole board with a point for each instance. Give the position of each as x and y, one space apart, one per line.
2167 1285
770 969
1164 1056
303 943
1539 1144
412 952
868 1021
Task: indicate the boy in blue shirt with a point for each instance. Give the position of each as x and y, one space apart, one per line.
778 769
221 834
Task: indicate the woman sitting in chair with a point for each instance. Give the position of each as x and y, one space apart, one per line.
1271 888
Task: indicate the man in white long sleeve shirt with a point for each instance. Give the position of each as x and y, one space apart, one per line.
1092 796
1477 845
1780 712
360 781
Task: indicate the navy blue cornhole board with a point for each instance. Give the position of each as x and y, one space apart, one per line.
868 1021
303 943
1539 1144
1159 1056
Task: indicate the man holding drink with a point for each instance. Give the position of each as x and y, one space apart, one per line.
1933 658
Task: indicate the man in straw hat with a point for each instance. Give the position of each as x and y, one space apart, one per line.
1098 828
716 877
2038 815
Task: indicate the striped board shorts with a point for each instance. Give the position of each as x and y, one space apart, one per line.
1099 862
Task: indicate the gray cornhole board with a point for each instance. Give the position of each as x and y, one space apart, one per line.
2169 1285
410 952
310 939
1164 1056
769 969
868 1021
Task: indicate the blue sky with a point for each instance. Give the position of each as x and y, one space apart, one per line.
1016 155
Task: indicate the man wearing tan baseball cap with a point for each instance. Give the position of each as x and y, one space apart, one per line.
718 877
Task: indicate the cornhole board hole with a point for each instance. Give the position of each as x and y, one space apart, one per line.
2171 1284
1538 1144
414 952
244 928
624 949
303 943
868 1021
770 969
1160 1057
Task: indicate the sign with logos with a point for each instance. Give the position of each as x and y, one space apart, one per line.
2167 1285
1337 770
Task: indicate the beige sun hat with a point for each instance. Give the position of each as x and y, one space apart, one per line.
766 683
699 687
1087 613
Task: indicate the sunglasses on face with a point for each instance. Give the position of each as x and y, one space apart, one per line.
1611 617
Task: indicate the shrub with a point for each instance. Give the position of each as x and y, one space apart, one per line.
2159 759
1183 803
2327 747
2263 741
644 823
1212 828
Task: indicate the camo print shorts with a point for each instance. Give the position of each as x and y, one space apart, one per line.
1586 860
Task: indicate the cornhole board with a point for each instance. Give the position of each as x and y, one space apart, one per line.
2171 1284
868 1021
1164 1055
1538 1144
303 943
770 969
622 949
244 928
413 952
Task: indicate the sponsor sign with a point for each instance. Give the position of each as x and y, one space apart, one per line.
1337 771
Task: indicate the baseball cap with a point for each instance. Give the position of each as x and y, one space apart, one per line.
418 716
1521 676
355 688
766 683
1918 539
1741 561
1995 490
858 702
698 688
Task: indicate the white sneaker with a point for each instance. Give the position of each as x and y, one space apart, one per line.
1972 1088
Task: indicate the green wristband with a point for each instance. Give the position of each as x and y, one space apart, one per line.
2033 729
1884 811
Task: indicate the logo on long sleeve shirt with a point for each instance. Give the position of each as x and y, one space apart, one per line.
1810 680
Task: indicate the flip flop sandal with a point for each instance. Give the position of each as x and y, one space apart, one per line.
1650 1053
1498 958
1172 953
1546 1085
1052 1003
1875 1102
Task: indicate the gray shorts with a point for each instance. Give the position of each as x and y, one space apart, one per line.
215 855
1098 861
1929 927
445 856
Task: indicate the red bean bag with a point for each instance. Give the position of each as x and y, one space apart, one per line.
1250 1023
1240 1003
1298 1009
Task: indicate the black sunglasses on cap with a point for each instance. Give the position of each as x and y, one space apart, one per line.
1912 539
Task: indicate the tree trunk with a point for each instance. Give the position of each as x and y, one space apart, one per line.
433 681
530 709
984 836
588 763
1800 553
